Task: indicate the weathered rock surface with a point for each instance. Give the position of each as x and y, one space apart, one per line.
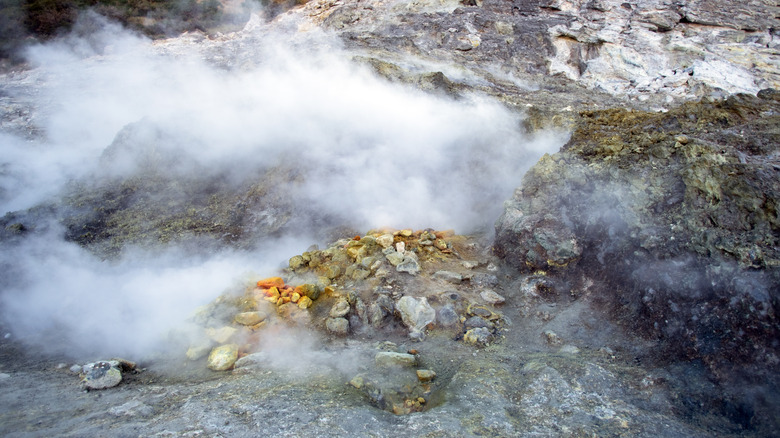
676 218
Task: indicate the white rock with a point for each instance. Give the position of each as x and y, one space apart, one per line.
416 313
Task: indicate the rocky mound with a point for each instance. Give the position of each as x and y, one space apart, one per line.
674 216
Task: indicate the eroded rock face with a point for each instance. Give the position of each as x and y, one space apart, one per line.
651 50
677 213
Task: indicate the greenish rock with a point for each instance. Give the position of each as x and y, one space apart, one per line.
250 318
297 262
102 375
395 258
337 326
478 336
223 357
311 290
332 271
393 359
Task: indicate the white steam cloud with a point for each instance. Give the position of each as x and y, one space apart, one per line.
372 153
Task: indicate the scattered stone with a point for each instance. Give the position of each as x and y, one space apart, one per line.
223 357
406 233
447 317
391 358
250 318
75 369
340 308
102 375
426 375
492 297
448 276
358 382
416 313
552 338
337 326
221 335
478 336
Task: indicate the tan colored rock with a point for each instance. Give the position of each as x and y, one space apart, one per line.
426 375
304 302
223 357
385 240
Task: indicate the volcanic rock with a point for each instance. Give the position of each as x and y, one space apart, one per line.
102 375
390 358
223 357
415 313
337 326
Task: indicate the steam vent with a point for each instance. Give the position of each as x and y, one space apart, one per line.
422 218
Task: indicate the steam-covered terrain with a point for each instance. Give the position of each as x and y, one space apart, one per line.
381 218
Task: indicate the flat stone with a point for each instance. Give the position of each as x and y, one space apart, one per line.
223 357
391 358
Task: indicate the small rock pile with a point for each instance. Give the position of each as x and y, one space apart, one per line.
385 281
